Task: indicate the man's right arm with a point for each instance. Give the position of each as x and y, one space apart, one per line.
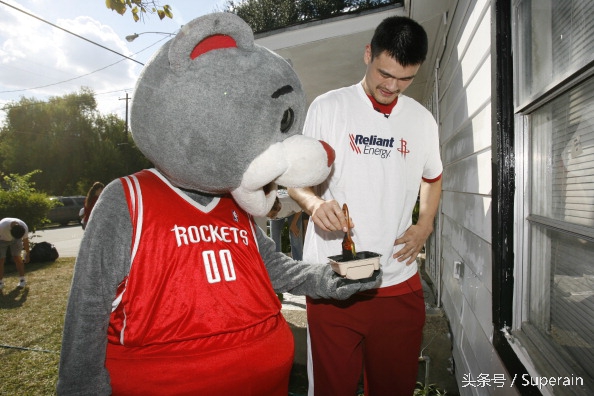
327 215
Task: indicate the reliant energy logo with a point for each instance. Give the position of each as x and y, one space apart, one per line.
373 145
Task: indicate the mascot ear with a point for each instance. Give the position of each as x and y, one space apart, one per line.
218 41
207 33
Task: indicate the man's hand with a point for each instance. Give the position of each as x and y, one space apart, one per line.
328 216
413 239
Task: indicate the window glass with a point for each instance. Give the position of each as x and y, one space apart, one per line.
554 38
562 297
561 280
562 142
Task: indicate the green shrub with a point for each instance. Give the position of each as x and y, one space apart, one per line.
428 390
19 198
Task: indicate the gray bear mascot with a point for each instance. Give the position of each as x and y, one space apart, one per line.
174 288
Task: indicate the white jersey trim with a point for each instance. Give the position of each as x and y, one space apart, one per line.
205 209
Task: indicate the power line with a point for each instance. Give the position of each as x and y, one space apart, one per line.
61 82
69 32
16 105
81 76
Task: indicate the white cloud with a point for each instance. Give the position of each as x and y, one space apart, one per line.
38 60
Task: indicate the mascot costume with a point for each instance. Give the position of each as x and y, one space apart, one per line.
174 288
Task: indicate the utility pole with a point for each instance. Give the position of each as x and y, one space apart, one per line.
126 99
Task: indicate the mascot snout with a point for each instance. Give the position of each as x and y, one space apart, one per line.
298 161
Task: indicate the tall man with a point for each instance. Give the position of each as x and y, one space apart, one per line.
14 234
387 150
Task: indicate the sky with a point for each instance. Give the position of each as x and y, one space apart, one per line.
39 61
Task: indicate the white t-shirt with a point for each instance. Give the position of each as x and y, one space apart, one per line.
378 169
5 223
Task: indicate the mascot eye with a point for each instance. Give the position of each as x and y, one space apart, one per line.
287 120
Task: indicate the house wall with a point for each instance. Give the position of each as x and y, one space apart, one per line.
464 109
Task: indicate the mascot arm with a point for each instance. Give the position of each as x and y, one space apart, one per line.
102 263
313 280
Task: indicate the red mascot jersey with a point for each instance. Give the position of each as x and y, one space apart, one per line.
196 312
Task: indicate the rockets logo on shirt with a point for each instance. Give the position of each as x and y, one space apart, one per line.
373 145
209 233
403 148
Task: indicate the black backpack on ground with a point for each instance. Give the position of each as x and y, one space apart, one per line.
43 252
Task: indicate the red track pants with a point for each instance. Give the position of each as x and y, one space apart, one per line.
382 335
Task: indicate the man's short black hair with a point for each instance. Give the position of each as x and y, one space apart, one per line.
402 38
17 231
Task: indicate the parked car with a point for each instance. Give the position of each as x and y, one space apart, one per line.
68 211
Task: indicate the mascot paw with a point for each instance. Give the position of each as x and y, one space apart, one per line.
347 287
336 287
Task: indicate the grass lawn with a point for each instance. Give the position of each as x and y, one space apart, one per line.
31 321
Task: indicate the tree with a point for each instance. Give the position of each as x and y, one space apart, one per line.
116 154
69 141
53 136
139 8
321 9
263 15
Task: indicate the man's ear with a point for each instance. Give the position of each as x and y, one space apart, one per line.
367 56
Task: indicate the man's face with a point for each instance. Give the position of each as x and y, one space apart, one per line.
385 78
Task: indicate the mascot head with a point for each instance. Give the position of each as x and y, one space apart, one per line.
217 113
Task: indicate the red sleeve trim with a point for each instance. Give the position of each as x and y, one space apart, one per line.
432 180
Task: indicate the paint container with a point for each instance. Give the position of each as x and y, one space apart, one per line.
360 268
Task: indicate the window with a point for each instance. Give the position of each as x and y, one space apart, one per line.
554 39
554 98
